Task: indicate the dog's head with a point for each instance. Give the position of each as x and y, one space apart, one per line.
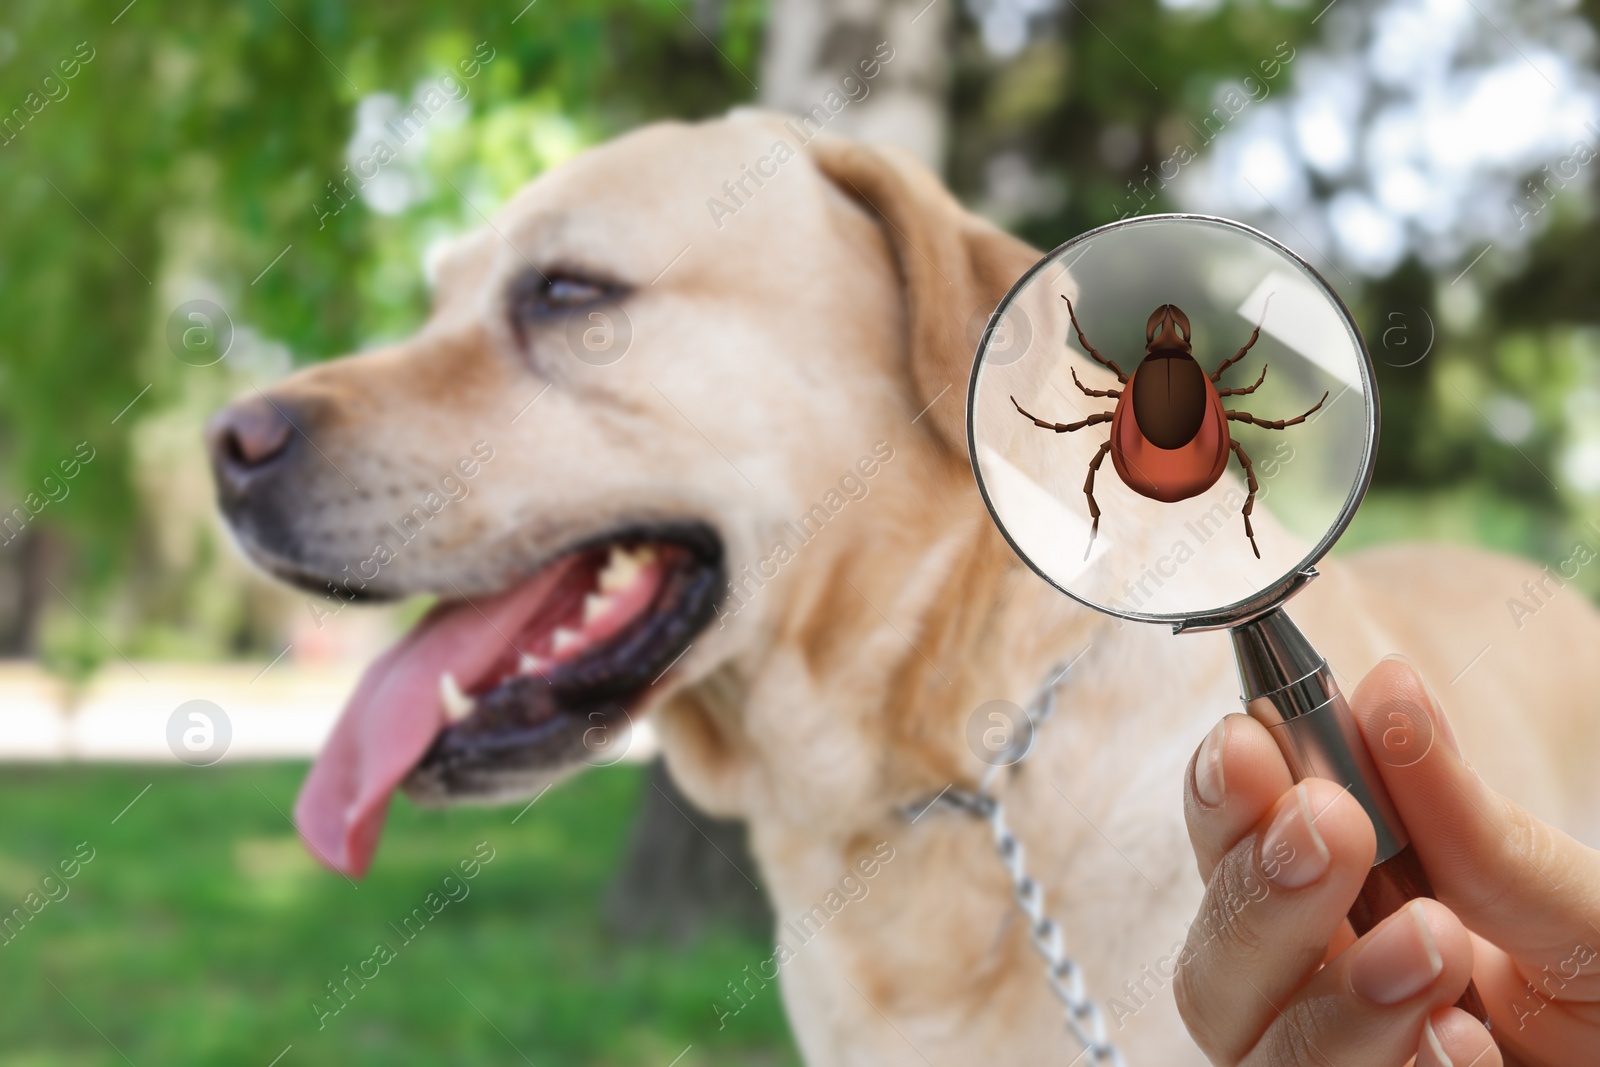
638 379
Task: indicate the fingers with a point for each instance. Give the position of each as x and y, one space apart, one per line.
1282 865
1540 1014
1372 1004
1452 1038
1520 883
1274 901
1236 775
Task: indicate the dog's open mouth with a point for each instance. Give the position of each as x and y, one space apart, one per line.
483 693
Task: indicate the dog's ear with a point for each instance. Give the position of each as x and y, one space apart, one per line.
954 267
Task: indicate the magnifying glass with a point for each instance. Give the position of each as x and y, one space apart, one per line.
1171 420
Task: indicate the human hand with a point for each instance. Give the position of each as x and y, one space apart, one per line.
1272 973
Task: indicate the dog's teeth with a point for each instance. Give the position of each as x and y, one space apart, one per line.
563 639
594 606
457 705
527 664
623 567
619 572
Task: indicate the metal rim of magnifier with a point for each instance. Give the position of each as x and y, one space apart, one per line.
1280 590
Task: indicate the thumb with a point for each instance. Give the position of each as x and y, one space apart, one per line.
1512 878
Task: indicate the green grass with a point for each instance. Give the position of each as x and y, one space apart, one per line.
201 933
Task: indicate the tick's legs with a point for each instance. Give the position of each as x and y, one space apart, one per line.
1089 348
1237 356
1094 464
1065 427
1088 491
1250 499
1275 424
1112 393
1246 389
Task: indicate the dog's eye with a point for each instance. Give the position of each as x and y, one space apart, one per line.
570 292
553 296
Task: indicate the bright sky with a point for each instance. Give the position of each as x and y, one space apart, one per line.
1421 122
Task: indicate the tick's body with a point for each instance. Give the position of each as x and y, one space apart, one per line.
1169 431
1171 441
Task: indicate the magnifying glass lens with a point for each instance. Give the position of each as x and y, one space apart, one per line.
1172 416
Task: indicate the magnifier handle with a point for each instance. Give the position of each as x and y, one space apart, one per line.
1288 687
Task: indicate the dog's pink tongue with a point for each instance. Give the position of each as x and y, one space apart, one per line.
394 716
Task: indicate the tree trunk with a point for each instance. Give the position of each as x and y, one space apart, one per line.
683 872
813 45
22 564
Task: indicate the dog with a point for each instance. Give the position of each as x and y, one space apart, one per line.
662 361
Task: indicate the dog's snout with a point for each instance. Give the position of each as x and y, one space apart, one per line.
248 439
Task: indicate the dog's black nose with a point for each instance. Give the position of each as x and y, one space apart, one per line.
248 439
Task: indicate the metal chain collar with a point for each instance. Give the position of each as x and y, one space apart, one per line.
1083 1015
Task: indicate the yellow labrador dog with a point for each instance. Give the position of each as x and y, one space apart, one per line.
683 437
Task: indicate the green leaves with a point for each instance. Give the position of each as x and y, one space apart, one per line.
187 157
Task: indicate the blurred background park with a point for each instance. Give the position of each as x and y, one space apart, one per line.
176 228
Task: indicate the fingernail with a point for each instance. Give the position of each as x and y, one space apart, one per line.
1209 784
1441 725
1293 854
1432 1053
1400 961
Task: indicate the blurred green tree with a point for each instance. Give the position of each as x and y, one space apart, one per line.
193 144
